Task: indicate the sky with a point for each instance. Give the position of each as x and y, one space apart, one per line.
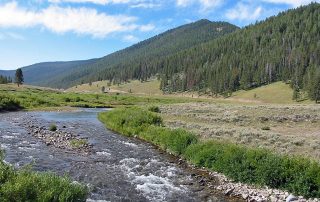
33 31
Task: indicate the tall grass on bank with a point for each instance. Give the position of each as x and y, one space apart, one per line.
250 165
147 125
27 185
8 103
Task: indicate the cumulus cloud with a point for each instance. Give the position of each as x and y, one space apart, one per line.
293 3
244 12
204 4
60 20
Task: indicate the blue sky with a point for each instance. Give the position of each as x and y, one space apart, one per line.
34 31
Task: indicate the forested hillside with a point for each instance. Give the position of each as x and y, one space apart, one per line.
142 60
284 47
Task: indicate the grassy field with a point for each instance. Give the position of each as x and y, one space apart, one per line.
27 97
151 87
278 92
275 93
288 129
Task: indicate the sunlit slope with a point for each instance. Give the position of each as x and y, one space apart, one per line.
150 87
278 92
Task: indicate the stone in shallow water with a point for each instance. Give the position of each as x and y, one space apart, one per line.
291 198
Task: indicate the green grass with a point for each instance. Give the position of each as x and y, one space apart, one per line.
8 103
151 87
26 185
147 125
250 165
78 143
12 97
277 92
52 127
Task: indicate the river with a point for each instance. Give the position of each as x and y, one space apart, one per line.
117 169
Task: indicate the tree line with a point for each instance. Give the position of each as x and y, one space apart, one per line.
5 79
18 78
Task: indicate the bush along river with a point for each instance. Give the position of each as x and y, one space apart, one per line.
114 167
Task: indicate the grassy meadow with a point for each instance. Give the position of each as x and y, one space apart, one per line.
34 98
150 87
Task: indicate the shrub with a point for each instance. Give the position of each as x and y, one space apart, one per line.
77 99
129 121
155 109
8 103
52 127
265 128
67 99
175 141
256 166
78 143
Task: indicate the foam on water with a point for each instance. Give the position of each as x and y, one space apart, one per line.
155 187
7 137
103 153
4 146
129 144
91 200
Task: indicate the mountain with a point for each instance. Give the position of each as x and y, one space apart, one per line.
138 61
285 47
42 74
7 73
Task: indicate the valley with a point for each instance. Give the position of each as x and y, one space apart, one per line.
198 110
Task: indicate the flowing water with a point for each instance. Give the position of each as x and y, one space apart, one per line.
118 169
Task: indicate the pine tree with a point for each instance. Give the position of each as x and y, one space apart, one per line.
19 77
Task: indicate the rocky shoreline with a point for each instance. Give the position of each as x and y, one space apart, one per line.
61 138
221 184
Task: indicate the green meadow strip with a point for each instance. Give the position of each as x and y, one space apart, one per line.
261 167
27 185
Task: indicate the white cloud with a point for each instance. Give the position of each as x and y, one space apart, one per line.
131 3
204 4
147 28
243 12
293 3
130 39
184 3
102 2
146 5
60 20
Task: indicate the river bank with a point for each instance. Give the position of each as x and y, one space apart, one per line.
238 162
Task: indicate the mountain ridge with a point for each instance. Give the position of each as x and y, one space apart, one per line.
163 44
